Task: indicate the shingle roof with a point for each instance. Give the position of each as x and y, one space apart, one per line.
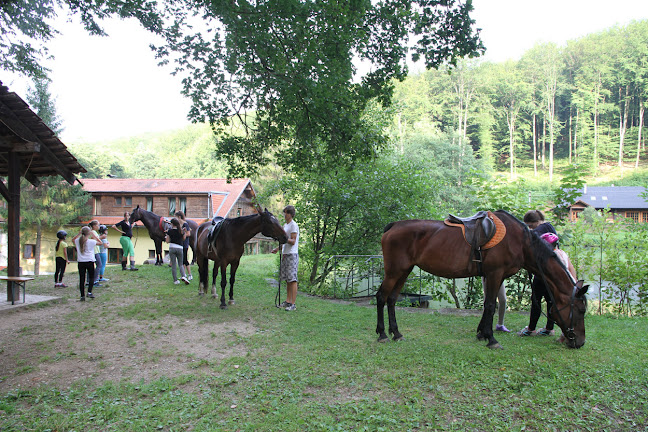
614 197
223 194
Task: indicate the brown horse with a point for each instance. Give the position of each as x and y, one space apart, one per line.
441 250
229 246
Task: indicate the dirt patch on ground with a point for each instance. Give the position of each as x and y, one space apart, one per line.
38 347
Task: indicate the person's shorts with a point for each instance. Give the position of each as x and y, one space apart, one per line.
288 269
127 246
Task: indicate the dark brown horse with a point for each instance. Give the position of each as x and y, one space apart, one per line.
441 250
229 247
156 227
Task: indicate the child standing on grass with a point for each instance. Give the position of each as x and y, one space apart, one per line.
85 244
61 259
103 252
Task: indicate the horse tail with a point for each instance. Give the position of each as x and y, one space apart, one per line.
388 227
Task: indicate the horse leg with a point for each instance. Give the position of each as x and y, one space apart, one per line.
203 271
485 328
158 252
223 285
380 309
214 275
233 267
391 313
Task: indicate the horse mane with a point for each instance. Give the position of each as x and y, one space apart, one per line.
388 227
241 219
543 252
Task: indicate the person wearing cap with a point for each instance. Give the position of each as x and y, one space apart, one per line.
103 252
540 291
61 259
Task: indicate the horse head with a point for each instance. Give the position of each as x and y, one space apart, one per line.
135 215
569 314
270 226
568 295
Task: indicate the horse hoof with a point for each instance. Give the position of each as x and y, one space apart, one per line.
383 339
398 339
201 294
223 306
231 302
495 346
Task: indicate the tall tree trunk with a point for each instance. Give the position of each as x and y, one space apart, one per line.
570 134
552 115
535 147
576 136
37 249
623 123
544 139
641 115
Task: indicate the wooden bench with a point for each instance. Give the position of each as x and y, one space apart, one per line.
14 281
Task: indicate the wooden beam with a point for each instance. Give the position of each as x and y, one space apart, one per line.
13 222
49 156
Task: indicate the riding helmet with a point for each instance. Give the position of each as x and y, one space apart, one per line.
102 229
61 234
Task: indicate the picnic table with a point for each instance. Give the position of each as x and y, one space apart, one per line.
16 282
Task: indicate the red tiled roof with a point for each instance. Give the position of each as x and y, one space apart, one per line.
224 195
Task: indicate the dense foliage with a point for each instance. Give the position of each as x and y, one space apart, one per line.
584 103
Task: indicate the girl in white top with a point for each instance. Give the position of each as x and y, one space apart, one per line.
290 258
85 243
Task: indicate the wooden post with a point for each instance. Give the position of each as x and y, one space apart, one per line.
13 222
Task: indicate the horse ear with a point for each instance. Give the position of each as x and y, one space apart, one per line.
582 290
137 207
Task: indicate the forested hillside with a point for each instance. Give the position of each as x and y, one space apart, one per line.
583 103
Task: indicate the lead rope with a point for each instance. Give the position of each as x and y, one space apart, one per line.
278 296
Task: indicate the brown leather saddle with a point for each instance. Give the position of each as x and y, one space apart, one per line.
481 231
214 230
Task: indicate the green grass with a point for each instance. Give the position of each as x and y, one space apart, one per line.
321 369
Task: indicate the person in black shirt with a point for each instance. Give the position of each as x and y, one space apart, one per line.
535 220
185 245
175 238
126 231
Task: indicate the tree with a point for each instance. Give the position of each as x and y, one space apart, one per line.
42 102
292 64
26 27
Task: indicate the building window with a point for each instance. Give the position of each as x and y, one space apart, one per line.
128 201
97 202
149 204
114 255
238 212
118 201
634 215
72 256
29 251
645 217
172 206
183 205
151 253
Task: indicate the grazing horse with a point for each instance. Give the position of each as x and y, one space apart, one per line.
229 245
156 227
441 250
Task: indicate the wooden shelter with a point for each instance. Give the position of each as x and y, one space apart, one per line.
30 149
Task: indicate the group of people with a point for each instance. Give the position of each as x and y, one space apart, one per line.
535 220
92 244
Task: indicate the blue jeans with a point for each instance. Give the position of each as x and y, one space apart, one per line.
102 267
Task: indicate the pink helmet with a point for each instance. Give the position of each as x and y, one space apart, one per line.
550 238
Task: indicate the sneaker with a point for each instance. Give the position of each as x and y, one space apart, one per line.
96 284
103 279
291 307
502 328
545 332
56 285
82 299
176 282
526 332
190 277
185 280
133 269
62 285
284 305
90 295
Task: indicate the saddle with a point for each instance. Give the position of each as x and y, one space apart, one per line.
214 230
481 231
